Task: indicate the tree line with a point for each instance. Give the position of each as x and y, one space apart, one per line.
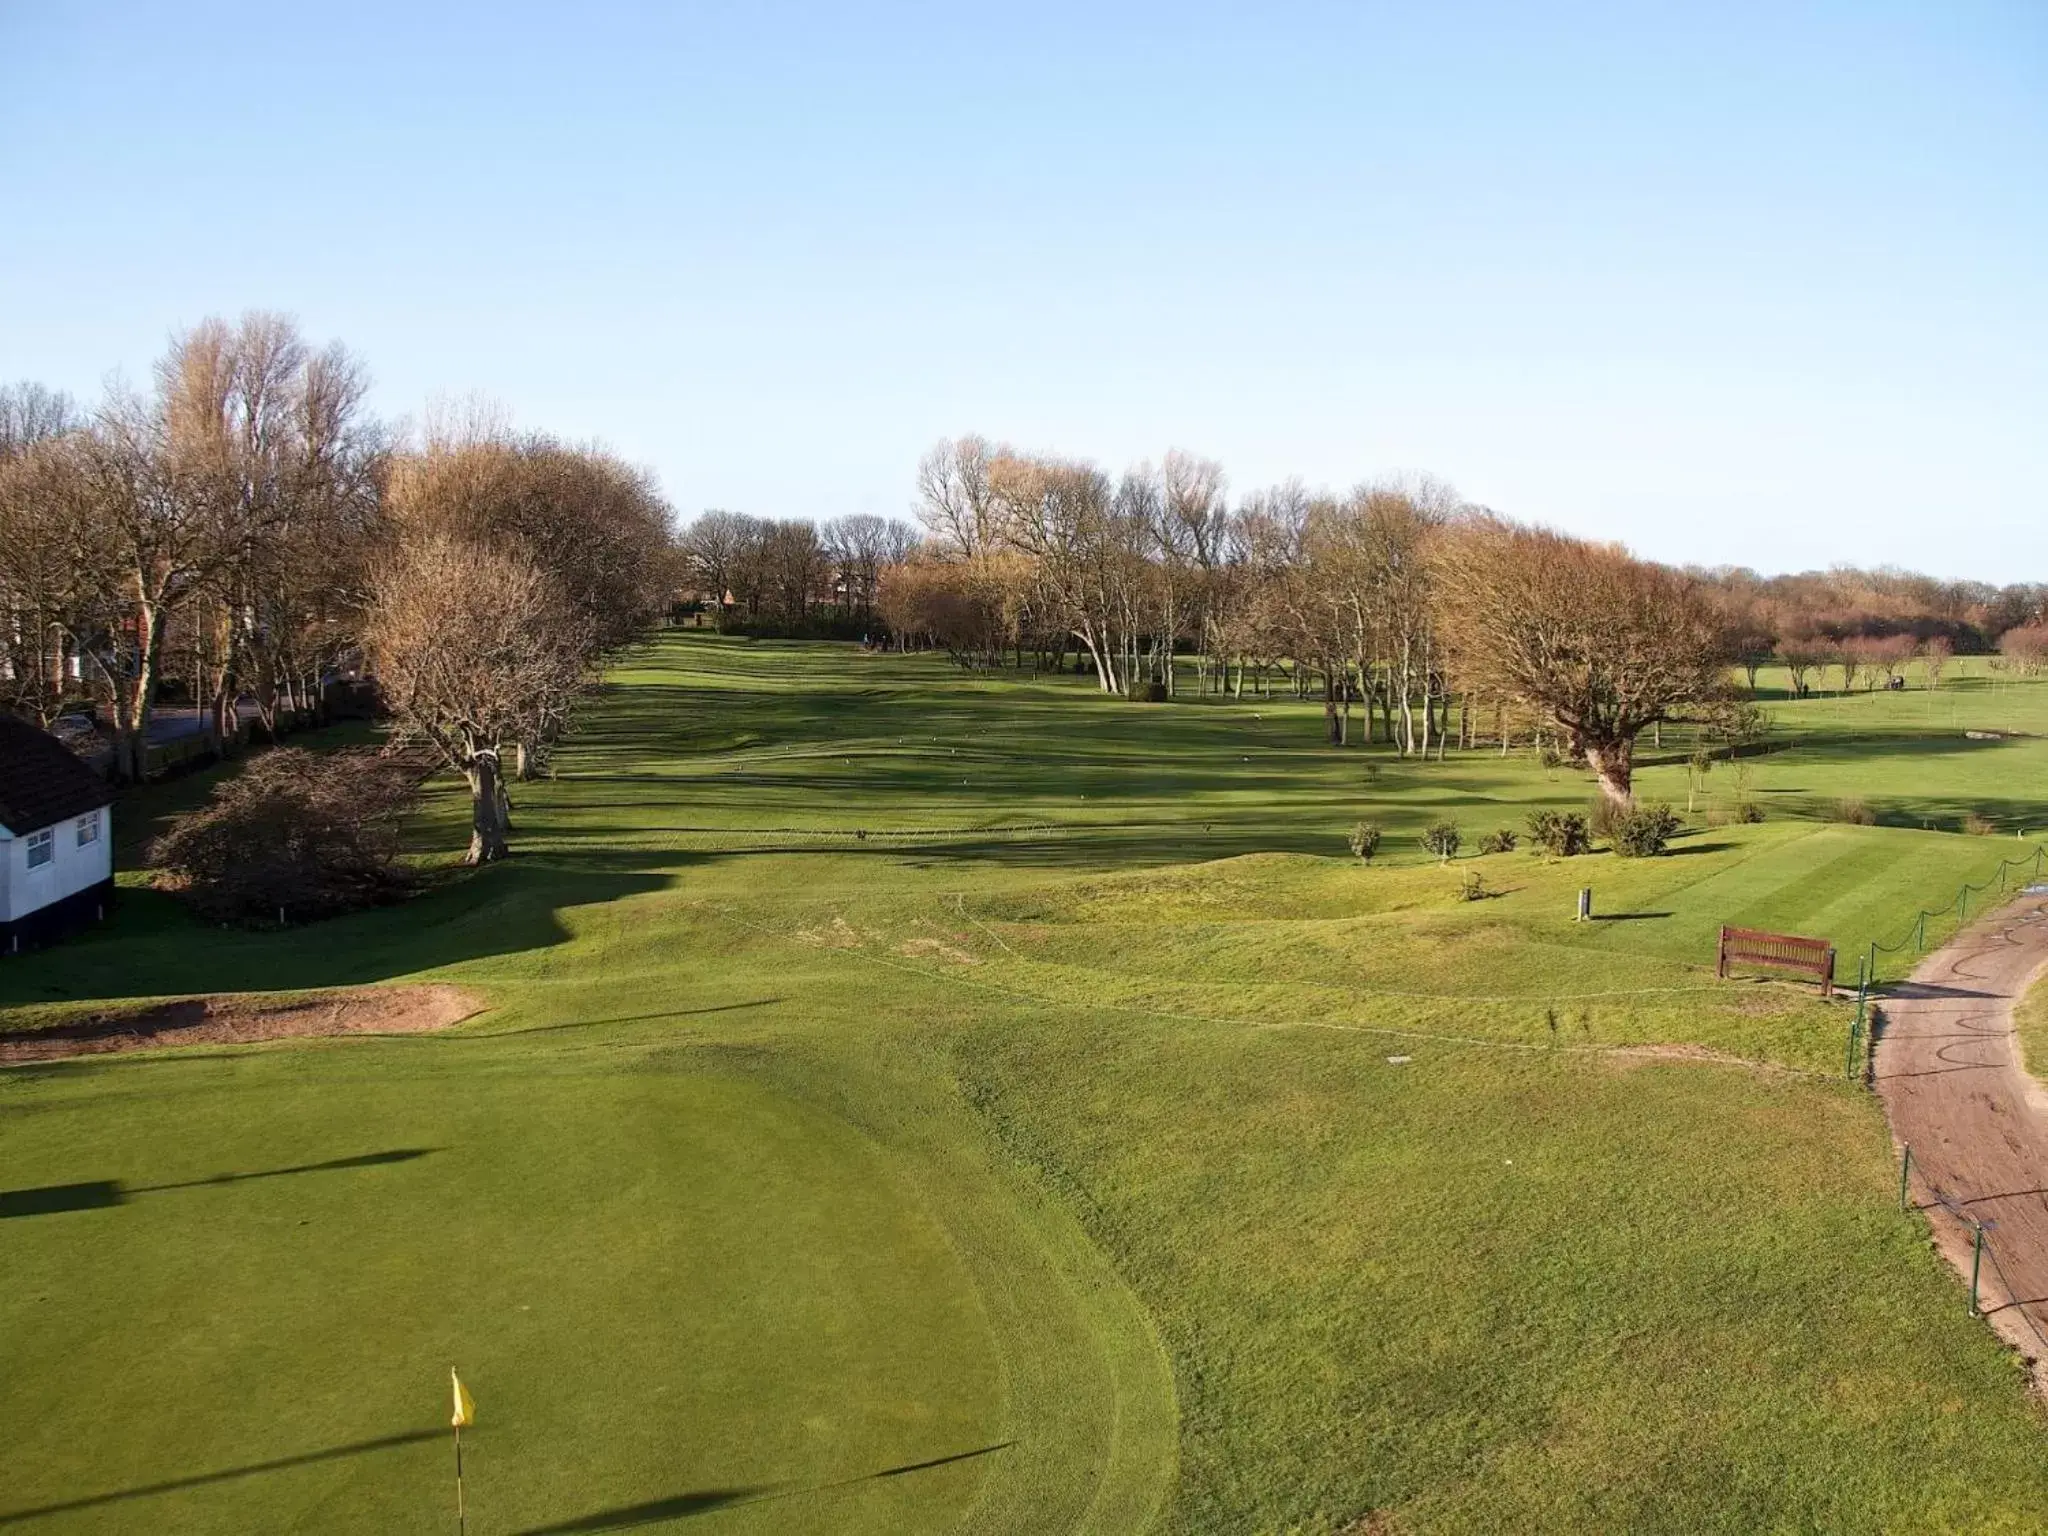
244 529
792 576
1433 619
1839 611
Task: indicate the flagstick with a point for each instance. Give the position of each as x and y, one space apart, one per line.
461 1517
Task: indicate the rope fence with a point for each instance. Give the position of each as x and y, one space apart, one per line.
1983 1245
1858 1063
1916 932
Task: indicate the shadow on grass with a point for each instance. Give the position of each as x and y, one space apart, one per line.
154 947
103 1194
629 1018
203 1479
682 1505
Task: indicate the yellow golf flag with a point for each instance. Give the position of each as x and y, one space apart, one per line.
465 1405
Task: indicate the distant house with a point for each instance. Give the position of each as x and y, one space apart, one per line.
56 838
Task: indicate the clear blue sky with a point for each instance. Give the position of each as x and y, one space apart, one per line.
1765 285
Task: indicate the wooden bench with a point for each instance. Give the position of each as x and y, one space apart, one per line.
1778 951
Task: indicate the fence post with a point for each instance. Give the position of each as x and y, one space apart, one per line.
1976 1264
1920 937
1905 1173
1855 1038
1962 906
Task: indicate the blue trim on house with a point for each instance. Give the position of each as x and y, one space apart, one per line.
60 919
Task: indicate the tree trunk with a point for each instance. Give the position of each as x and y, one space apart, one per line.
1613 764
135 696
224 722
486 811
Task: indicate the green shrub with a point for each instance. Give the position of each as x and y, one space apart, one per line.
1148 693
1547 756
1560 833
1748 811
1442 839
1642 831
1498 841
1853 811
1473 887
1365 840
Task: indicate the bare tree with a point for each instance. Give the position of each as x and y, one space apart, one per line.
1801 657
31 413
1086 550
1606 644
162 532
1935 655
60 583
476 649
956 498
2025 646
594 526
715 547
860 547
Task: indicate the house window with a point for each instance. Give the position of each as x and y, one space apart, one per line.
42 847
88 828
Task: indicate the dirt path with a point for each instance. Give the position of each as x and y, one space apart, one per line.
1949 1072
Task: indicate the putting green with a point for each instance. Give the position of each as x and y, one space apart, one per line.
675 1285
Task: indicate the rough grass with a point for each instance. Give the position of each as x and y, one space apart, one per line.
2030 1021
1052 1120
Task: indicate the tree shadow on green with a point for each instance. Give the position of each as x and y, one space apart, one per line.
203 1479
682 1505
104 1194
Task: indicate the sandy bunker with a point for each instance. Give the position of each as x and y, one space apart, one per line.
237 1019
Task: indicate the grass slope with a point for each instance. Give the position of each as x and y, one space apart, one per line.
916 1102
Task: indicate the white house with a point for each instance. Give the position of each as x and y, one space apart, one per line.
56 838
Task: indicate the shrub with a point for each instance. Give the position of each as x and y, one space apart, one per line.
1561 833
1547 756
1642 831
1499 841
1603 816
1740 813
1473 887
1153 692
1365 840
302 833
1442 839
1979 826
1854 812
